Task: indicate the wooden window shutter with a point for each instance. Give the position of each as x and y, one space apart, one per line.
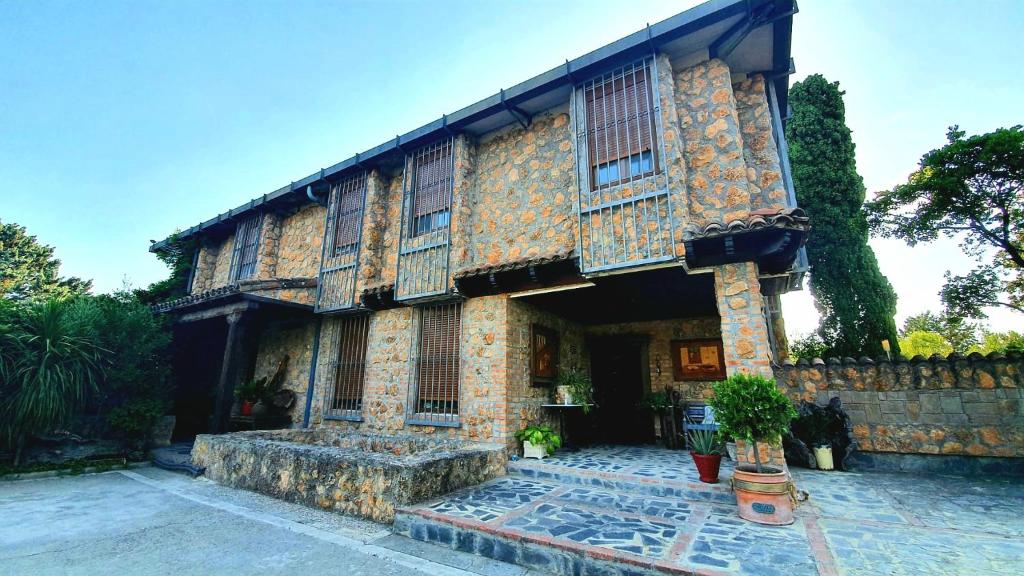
432 179
619 122
348 211
438 372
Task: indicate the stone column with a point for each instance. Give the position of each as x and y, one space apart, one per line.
238 351
745 338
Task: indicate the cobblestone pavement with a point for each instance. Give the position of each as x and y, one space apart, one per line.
618 505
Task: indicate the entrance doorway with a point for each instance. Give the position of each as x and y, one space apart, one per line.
618 369
198 355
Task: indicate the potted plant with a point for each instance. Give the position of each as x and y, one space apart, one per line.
812 427
706 451
752 408
576 388
249 394
538 441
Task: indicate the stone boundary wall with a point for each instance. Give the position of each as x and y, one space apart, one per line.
961 406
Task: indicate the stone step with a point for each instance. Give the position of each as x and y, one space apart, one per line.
679 481
534 553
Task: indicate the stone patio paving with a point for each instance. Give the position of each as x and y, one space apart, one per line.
619 510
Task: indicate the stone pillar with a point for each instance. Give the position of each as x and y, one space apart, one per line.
235 367
745 338
744 329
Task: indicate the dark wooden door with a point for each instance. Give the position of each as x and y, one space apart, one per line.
616 369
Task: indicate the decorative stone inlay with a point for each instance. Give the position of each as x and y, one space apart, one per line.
490 501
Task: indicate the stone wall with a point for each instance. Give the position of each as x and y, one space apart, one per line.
956 406
522 195
524 399
744 328
294 338
716 172
302 234
764 173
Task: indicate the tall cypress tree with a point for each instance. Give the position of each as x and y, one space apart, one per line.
856 302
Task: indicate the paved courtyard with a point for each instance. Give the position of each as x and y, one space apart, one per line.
642 509
153 522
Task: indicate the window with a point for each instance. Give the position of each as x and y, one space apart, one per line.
431 192
697 360
620 126
345 400
544 355
437 365
247 243
348 215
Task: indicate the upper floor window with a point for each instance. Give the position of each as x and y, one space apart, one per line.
620 126
347 215
246 250
437 365
432 185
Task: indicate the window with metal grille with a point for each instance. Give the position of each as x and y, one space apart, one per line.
437 365
348 214
246 249
432 182
345 397
620 126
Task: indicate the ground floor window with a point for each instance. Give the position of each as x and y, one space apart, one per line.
345 400
436 372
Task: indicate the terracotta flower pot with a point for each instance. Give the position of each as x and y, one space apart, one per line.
707 466
246 409
764 498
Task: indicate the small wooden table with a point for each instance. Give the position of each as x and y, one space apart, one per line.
561 410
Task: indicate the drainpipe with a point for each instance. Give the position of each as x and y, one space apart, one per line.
312 371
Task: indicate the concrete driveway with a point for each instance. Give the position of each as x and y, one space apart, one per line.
149 522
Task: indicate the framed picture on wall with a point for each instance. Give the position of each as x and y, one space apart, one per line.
543 355
698 360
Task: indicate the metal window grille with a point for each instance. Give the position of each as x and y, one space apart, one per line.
342 237
426 218
625 212
246 249
620 146
436 400
344 400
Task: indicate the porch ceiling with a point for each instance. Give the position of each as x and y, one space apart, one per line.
635 297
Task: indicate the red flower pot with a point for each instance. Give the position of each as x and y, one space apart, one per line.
707 466
246 409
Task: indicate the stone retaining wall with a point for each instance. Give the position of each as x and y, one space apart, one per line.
963 406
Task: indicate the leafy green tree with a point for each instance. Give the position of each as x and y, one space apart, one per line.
925 344
178 257
1001 342
961 334
50 367
856 302
28 270
971 189
808 347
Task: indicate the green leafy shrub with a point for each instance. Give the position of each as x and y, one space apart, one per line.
752 408
49 368
580 386
540 436
656 402
135 418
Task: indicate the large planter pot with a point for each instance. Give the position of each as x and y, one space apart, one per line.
531 450
707 466
160 434
823 456
765 498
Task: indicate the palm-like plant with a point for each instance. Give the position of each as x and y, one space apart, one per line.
47 368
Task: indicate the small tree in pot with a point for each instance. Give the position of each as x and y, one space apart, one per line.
752 408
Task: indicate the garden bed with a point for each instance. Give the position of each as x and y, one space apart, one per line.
361 474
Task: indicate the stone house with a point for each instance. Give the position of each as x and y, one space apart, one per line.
629 214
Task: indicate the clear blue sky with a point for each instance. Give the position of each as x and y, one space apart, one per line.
122 121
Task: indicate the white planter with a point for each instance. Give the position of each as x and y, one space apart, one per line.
823 454
730 448
565 395
532 451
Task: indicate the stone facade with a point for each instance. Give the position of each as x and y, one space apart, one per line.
744 330
957 406
764 172
294 339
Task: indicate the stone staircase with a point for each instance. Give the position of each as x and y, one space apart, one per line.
598 514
